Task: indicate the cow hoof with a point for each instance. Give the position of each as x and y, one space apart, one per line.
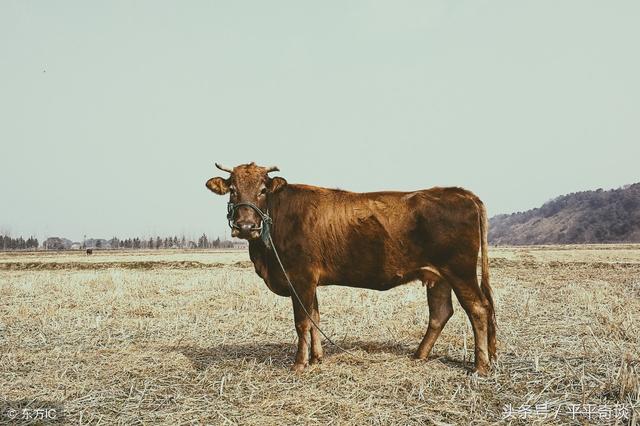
419 355
298 367
481 371
315 360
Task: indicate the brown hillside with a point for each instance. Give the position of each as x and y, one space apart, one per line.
582 217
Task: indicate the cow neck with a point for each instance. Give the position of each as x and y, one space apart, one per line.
272 210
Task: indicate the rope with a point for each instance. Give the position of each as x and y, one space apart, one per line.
295 293
265 235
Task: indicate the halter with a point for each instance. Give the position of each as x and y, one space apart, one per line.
265 226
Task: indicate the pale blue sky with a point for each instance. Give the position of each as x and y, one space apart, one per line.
113 113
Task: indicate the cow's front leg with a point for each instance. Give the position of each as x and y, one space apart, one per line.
316 343
303 325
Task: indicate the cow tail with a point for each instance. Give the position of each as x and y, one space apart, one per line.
485 286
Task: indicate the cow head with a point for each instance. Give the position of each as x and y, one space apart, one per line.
247 183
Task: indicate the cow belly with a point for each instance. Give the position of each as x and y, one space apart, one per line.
380 286
427 274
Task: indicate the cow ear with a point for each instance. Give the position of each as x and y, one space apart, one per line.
218 185
276 184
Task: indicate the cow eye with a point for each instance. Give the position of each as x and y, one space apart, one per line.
263 191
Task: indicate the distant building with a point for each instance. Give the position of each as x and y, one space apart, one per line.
240 244
97 243
57 243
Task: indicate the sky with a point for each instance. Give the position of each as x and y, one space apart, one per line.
113 113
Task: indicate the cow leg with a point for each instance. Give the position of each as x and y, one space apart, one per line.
477 308
440 310
316 343
303 325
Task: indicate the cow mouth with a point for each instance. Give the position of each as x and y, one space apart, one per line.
251 234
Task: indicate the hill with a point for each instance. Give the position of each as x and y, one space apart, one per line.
581 217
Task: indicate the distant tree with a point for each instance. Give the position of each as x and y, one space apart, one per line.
114 243
32 243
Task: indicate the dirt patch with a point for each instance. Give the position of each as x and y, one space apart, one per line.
141 265
500 262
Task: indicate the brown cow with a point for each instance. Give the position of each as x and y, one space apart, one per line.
376 240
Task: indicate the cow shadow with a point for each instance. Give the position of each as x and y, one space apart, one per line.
275 354
281 355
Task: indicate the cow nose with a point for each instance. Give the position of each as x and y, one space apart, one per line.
245 227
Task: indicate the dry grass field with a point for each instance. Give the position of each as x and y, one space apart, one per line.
197 338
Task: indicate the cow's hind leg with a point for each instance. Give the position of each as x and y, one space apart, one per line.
316 342
440 310
477 308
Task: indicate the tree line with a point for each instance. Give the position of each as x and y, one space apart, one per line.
167 242
8 243
132 243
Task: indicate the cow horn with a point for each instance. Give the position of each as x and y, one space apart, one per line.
272 169
224 168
